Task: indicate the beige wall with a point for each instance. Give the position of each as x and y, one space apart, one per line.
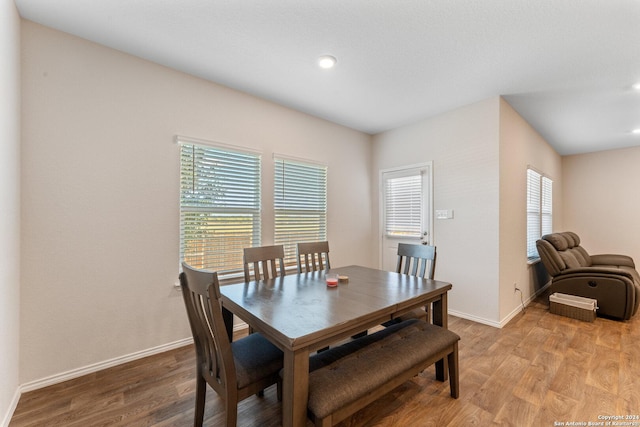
100 194
9 207
601 200
520 147
463 145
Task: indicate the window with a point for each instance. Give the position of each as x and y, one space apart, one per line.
300 204
539 210
403 208
219 205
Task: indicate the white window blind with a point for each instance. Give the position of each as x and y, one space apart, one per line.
546 207
219 206
300 204
539 209
403 206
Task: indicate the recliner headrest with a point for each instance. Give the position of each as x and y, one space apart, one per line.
557 240
574 237
563 241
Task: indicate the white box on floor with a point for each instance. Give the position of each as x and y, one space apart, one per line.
573 306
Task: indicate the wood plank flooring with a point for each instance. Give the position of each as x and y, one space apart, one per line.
538 370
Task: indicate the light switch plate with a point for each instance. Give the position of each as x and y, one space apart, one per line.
444 213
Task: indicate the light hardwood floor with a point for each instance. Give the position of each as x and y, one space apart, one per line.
538 370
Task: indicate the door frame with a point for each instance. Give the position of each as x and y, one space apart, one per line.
425 165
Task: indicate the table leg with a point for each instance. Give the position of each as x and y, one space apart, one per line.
295 388
440 318
227 316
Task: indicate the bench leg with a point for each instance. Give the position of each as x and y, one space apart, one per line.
440 315
454 374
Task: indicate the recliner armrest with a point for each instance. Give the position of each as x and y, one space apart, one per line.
613 259
596 270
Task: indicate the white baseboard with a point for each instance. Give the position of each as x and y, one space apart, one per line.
513 314
12 408
89 369
504 321
474 318
518 309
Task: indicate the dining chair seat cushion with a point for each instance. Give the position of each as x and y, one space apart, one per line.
376 362
255 358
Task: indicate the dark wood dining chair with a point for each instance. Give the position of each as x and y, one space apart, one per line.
420 261
235 370
270 258
312 256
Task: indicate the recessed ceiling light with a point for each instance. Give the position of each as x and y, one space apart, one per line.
636 86
636 131
327 61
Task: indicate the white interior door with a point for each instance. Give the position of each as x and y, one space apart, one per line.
406 210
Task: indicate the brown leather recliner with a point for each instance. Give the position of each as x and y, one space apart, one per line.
610 279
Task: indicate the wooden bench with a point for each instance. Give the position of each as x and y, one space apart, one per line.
345 379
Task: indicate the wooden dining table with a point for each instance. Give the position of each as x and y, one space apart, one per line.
299 314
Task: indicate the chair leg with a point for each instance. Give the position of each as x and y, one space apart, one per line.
454 382
278 390
201 391
231 410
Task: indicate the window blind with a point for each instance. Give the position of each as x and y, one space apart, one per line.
533 212
219 206
300 204
539 210
403 206
546 207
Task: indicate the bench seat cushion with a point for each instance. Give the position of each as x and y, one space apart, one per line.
370 363
327 357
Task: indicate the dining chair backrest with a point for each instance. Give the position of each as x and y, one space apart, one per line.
259 361
215 364
417 260
267 262
312 256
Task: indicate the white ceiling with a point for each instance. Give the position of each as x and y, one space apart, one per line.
567 66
